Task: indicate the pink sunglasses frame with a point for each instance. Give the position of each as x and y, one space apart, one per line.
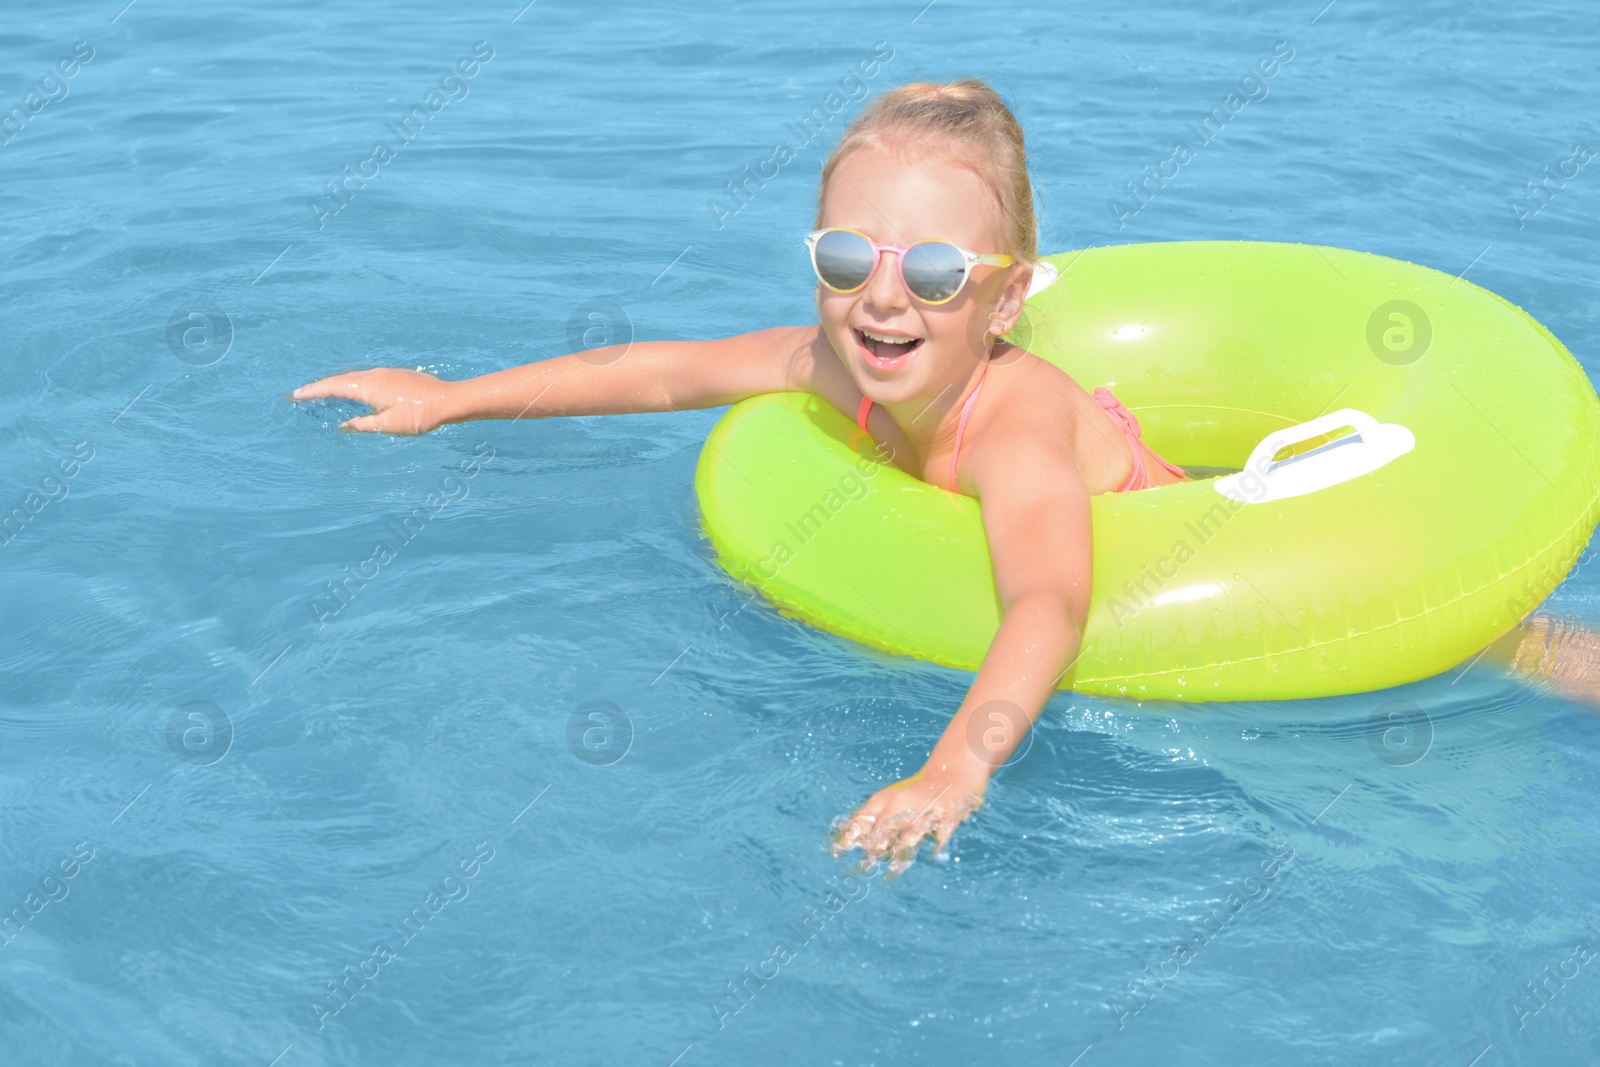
969 260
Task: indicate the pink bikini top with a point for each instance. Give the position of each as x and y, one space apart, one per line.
1138 477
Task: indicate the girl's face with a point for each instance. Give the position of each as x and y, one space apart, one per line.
902 201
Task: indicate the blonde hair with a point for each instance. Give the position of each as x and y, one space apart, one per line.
968 117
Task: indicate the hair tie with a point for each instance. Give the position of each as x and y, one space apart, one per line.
937 90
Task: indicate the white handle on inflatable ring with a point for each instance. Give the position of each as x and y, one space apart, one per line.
1373 445
1044 276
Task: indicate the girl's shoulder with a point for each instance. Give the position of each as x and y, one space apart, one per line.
1036 399
1040 412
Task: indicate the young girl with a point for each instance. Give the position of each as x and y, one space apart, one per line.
924 252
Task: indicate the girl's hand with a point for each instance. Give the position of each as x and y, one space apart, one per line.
402 401
896 818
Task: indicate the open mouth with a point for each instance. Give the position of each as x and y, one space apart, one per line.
883 350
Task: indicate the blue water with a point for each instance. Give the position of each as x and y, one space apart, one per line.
172 267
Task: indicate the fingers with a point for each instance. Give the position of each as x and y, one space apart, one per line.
851 832
889 826
868 833
935 823
951 820
896 838
899 838
355 386
870 822
344 386
905 846
858 825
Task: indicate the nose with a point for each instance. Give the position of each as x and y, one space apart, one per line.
884 291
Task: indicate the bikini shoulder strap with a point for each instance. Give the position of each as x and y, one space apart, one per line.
961 428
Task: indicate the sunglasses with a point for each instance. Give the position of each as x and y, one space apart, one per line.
931 271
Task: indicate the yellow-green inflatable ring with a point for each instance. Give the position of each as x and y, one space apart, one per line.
1365 559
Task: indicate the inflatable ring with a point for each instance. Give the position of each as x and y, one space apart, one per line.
1417 469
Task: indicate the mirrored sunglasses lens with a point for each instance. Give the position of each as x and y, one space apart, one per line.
843 260
934 270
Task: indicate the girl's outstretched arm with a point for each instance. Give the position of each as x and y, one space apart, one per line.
1036 518
643 376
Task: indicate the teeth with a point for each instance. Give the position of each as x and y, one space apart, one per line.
888 340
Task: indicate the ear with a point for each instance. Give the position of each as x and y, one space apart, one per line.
1008 309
